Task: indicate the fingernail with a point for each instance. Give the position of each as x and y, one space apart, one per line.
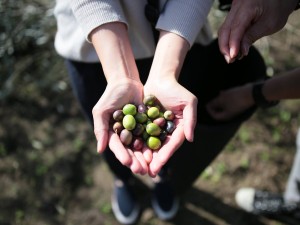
98 147
227 58
246 49
231 52
240 55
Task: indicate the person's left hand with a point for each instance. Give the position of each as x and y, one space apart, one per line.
183 104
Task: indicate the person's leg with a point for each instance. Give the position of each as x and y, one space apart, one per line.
205 73
292 192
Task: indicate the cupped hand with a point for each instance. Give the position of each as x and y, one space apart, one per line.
183 104
116 95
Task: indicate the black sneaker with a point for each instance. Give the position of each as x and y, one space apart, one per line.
268 204
164 202
124 203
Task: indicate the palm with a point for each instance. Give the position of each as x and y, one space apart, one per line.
176 98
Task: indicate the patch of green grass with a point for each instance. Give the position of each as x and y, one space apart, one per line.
105 208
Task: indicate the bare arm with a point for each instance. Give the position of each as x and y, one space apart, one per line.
232 102
123 85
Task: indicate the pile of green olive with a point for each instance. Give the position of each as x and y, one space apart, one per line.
147 123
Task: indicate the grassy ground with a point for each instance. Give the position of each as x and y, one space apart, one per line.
50 172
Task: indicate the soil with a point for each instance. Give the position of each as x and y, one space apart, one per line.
51 174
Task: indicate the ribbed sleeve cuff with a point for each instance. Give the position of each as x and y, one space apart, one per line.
184 17
91 14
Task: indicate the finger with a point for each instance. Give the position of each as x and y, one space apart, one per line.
225 30
148 154
239 26
119 150
254 33
102 137
190 120
101 129
171 144
144 165
135 166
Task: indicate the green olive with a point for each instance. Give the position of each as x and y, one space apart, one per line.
153 143
129 122
153 129
129 109
141 117
153 112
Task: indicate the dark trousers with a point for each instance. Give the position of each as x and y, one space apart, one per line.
204 73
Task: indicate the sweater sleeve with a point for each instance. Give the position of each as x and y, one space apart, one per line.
184 17
92 13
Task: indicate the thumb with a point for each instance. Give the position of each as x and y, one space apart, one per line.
252 35
101 127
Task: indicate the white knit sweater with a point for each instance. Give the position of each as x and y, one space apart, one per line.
77 18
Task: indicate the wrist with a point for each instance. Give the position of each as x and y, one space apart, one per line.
246 92
259 98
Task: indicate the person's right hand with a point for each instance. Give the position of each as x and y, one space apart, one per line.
249 20
117 94
183 104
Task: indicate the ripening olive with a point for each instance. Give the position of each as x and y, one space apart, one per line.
160 121
129 109
118 127
137 143
118 115
126 137
129 122
149 100
169 115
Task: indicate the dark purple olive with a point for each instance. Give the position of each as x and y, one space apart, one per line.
118 127
126 137
142 108
118 115
170 127
163 135
138 130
